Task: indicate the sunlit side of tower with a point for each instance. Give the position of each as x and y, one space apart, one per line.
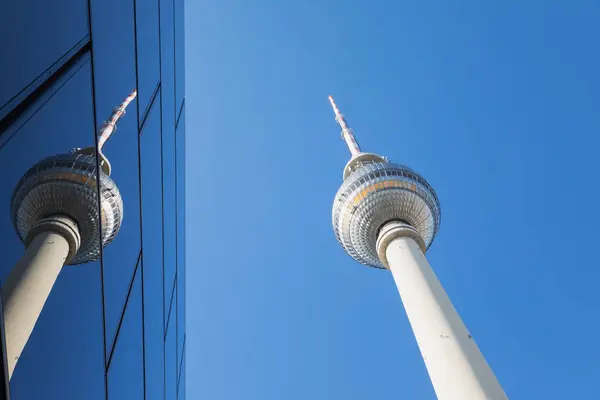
385 215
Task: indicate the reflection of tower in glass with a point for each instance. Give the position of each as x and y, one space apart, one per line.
55 209
385 215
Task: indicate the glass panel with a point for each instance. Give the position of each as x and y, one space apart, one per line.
169 209
180 164
33 35
171 322
181 383
179 53
148 50
167 45
153 254
126 373
114 58
168 147
171 360
64 357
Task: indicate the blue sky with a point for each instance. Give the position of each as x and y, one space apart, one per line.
495 104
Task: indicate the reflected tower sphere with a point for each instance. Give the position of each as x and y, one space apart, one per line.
386 215
67 184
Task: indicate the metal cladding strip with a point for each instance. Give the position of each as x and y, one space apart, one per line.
110 125
346 131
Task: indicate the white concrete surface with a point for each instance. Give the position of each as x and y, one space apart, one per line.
457 369
27 289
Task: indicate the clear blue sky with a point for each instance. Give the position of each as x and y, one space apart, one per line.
496 104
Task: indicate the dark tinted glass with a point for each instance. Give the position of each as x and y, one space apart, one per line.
179 53
181 260
114 65
169 212
126 372
171 359
147 48
168 147
64 357
31 42
150 145
167 45
181 383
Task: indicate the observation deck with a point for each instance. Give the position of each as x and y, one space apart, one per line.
66 184
375 192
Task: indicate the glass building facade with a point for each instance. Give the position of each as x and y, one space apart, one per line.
112 328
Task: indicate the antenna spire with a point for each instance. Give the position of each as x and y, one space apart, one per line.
110 125
347 133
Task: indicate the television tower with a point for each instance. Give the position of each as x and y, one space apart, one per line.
63 216
385 215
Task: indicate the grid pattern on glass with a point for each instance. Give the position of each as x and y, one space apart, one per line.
171 365
150 153
80 297
374 194
66 184
55 68
126 370
168 60
181 250
20 114
147 45
33 36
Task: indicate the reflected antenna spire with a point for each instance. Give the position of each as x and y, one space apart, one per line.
110 125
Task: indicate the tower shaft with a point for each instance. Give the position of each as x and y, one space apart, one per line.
30 282
347 133
456 367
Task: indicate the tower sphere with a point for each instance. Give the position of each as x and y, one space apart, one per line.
66 184
374 193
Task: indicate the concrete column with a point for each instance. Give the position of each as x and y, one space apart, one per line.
49 245
456 367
